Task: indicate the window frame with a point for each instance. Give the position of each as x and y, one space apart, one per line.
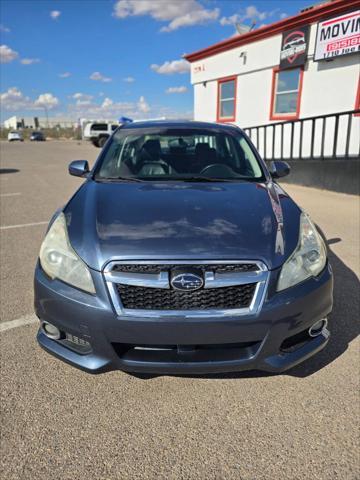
285 116
357 99
220 81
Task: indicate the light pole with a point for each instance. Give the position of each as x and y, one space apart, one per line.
47 116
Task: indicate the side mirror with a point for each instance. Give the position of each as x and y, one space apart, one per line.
79 168
279 169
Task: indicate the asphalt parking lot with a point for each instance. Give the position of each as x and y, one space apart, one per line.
60 423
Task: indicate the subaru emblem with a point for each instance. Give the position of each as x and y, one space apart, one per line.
187 282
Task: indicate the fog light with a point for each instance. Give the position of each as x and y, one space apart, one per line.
51 331
318 327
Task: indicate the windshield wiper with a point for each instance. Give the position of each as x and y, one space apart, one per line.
206 179
122 179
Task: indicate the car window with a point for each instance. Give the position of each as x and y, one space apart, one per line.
170 154
99 126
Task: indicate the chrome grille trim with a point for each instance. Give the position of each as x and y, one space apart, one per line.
161 280
152 280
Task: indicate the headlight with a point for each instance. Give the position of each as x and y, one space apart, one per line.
308 259
59 260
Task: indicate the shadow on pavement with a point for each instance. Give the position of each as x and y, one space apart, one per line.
343 321
344 326
9 170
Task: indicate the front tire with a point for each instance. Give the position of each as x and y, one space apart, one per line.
101 142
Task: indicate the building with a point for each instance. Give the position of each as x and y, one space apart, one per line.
16 122
303 67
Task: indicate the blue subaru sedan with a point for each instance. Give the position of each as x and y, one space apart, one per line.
180 254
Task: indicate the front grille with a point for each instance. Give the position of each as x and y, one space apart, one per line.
216 268
144 298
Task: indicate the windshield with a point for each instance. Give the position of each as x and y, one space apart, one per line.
179 154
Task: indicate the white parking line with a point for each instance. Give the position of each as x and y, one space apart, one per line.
22 225
19 322
10 194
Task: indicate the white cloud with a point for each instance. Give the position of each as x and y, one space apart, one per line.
111 109
29 61
129 79
46 100
97 76
283 15
82 98
236 18
181 89
65 75
168 68
249 13
4 29
84 105
252 13
179 13
55 14
107 103
197 17
143 106
13 99
7 55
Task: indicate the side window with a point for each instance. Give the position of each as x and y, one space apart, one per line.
97 127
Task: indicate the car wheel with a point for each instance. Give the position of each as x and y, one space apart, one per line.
102 141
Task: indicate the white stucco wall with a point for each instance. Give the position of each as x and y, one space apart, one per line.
204 109
328 87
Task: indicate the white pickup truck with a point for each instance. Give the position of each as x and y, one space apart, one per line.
98 132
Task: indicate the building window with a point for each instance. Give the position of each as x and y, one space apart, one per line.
226 108
286 94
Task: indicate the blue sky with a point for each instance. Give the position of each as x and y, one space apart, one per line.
107 58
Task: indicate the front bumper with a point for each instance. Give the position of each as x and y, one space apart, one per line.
177 345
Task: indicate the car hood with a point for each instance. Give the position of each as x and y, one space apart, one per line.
158 220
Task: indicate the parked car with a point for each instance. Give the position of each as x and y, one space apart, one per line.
15 136
37 137
180 253
98 133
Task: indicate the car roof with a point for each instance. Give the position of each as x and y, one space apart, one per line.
178 124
